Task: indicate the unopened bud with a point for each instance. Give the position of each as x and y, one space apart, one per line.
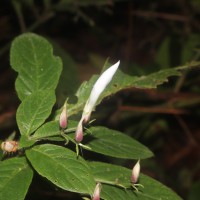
79 132
9 146
63 117
97 191
135 172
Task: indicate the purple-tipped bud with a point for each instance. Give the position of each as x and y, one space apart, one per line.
135 172
79 132
97 191
63 117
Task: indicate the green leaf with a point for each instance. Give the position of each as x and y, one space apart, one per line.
69 81
122 81
116 144
25 141
34 110
1 151
102 140
111 174
163 54
120 176
189 46
51 129
16 176
194 192
110 192
62 167
64 5
38 69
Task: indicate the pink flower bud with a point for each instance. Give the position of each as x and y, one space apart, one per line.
79 132
97 191
135 172
63 117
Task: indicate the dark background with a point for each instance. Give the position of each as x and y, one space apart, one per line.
146 36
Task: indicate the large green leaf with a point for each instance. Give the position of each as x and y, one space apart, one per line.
38 69
123 81
116 144
34 110
62 167
102 140
120 176
16 176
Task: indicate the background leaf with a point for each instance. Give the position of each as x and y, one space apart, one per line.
34 110
61 166
32 57
69 81
189 47
194 192
116 175
115 144
163 54
16 176
122 81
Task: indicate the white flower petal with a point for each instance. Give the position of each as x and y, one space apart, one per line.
99 87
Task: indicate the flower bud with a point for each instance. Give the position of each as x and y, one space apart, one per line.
97 191
9 146
79 132
97 89
135 172
63 117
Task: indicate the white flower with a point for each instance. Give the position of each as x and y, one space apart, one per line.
135 172
97 89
